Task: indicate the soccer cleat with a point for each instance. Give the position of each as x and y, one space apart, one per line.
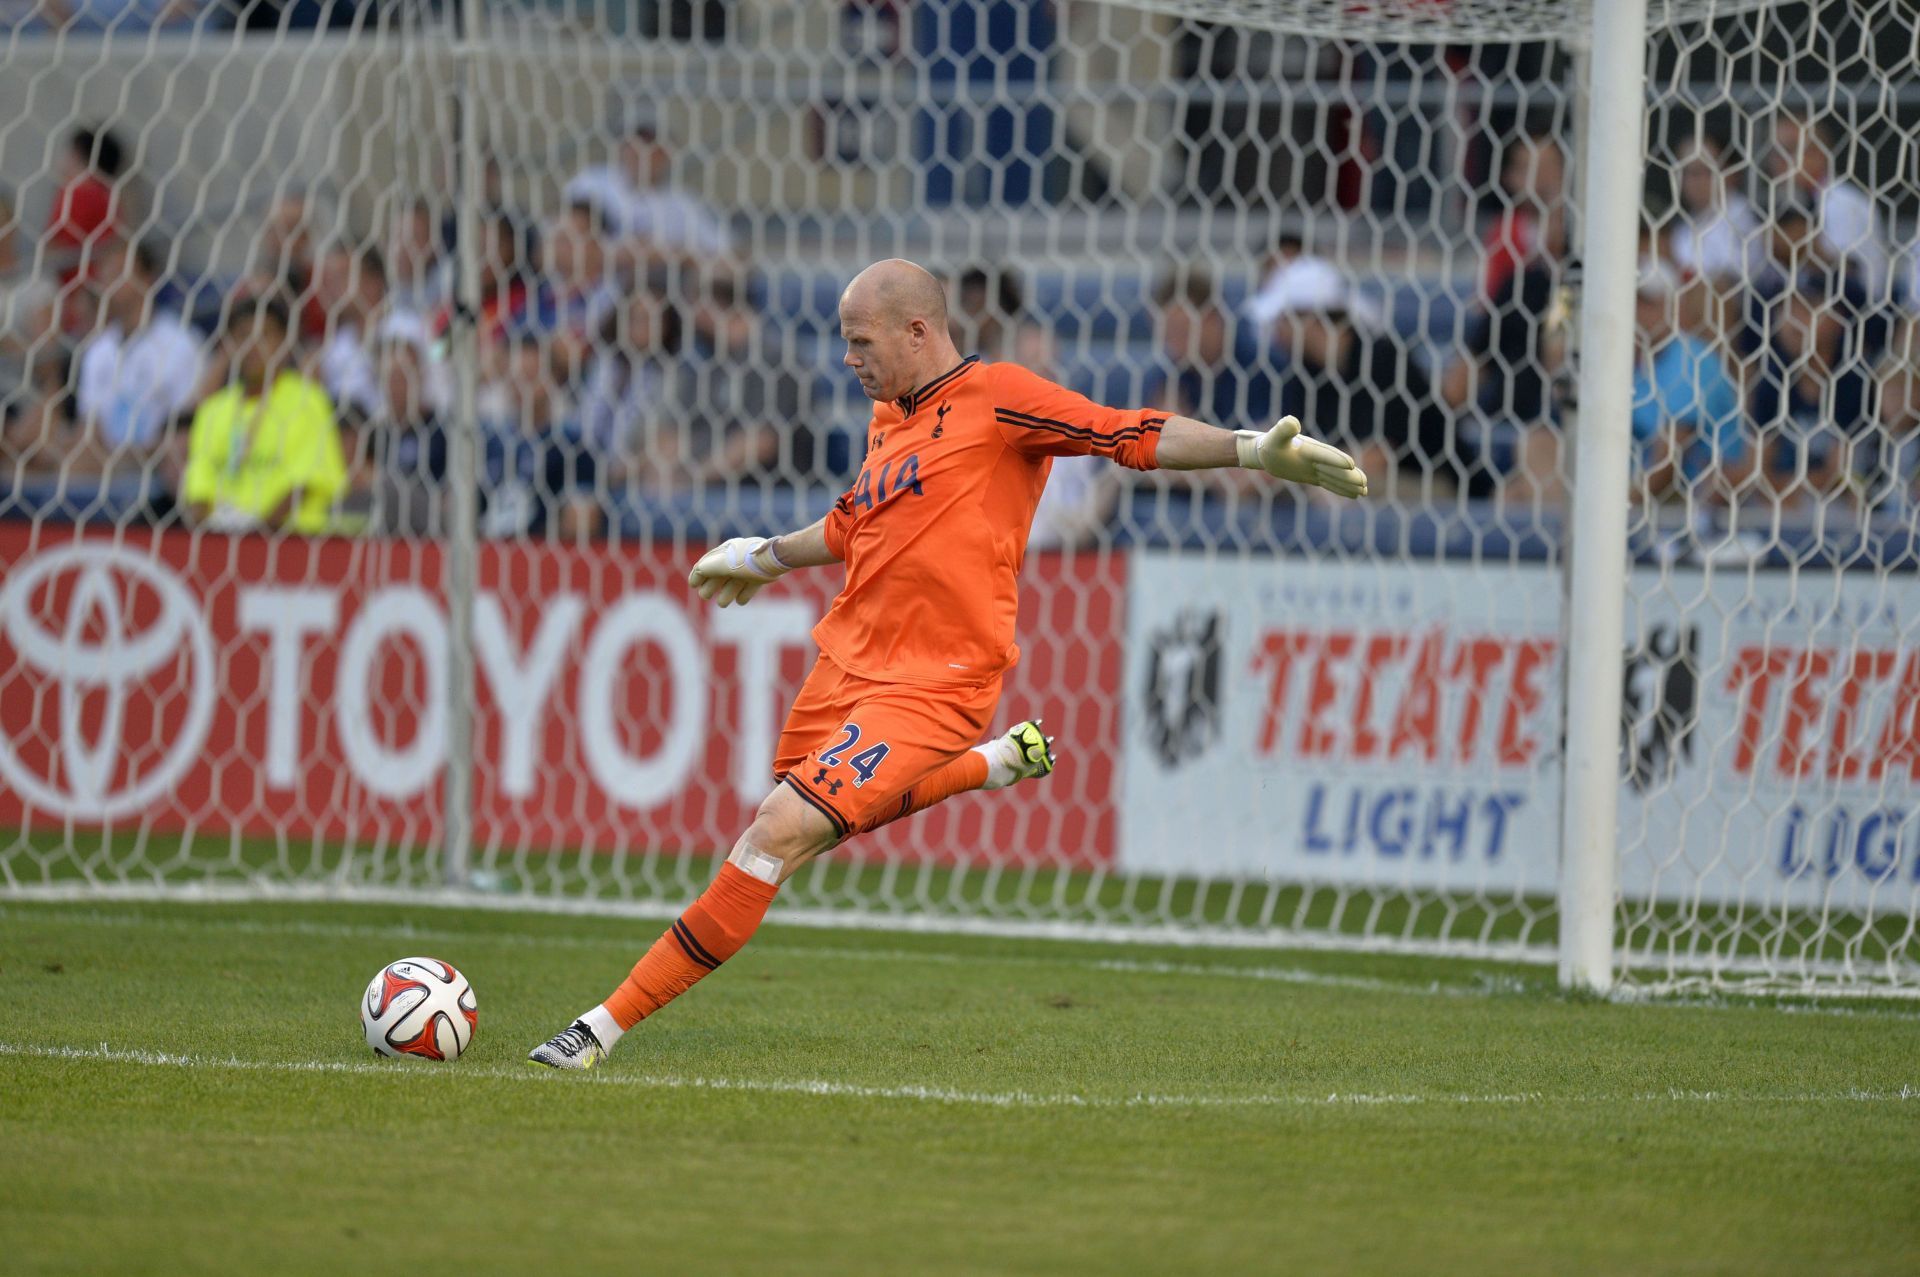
1022 753
574 1047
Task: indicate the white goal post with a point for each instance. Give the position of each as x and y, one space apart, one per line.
372 370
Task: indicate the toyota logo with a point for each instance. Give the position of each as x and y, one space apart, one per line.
89 655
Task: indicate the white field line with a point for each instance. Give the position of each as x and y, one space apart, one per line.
1165 933
428 935
1483 985
1844 974
932 1094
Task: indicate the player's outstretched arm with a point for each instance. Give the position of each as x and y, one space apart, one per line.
806 548
1285 453
736 569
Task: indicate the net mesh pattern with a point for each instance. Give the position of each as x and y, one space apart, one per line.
227 357
1443 21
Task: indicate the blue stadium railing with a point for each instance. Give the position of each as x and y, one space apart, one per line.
1111 314
1480 531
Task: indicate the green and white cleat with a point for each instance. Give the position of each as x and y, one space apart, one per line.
1024 752
574 1047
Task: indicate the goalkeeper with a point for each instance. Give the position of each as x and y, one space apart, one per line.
913 650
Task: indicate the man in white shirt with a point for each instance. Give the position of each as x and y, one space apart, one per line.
1849 226
352 288
140 369
1716 233
639 194
419 273
580 286
1294 272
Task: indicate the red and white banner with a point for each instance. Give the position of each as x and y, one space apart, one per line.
298 687
1399 725
1322 722
1773 739
1379 724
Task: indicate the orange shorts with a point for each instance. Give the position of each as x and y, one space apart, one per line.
853 747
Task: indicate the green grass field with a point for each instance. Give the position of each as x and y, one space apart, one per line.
183 1089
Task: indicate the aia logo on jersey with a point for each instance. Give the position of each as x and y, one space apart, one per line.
940 419
1183 687
870 491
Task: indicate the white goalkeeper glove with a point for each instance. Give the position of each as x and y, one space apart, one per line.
1287 454
736 570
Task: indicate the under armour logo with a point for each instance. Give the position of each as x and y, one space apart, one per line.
820 777
877 441
940 419
833 788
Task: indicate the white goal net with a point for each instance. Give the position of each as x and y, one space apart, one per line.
303 591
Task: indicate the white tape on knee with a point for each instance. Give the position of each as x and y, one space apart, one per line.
755 863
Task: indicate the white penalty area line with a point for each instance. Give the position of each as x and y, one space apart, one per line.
931 1094
1482 985
409 933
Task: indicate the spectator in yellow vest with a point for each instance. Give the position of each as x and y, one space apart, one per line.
264 451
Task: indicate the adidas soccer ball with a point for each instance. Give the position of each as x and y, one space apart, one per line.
419 1006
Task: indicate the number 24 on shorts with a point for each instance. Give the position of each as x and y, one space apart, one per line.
864 763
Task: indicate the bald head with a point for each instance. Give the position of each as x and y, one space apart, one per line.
897 291
894 318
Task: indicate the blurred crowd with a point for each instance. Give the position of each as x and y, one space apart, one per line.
617 352
629 357
1776 354
1775 344
48 18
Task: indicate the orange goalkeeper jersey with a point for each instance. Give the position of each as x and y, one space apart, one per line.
934 530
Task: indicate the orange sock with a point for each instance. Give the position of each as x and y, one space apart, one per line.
724 918
713 929
967 772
